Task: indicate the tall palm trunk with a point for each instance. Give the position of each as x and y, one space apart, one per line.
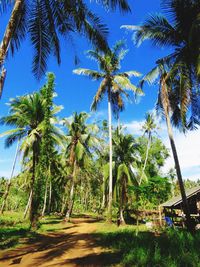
121 205
71 196
147 152
2 80
9 181
33 219
110 157
28 204
103 195
146 158
10 29
50 196
45 198
166 105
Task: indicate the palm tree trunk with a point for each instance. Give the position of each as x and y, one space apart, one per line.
28 204
33 219
9 181
110 158
146 158
45 198
147 152
2 80
121 209
71 196
50 196
71 201
10 29
103 202
165 103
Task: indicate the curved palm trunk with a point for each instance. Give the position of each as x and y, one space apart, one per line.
28 204
165 103
9 182
71 196
110 158
8 36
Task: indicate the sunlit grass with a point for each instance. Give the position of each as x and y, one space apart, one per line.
169 248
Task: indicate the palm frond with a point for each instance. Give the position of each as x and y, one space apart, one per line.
5 5
113 4
158 29
95 75
51 9
99 95
38 28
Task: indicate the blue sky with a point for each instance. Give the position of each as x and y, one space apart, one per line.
75 93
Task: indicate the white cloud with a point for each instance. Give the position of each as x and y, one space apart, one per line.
134 127
188 152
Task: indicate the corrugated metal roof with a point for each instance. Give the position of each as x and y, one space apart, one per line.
178 199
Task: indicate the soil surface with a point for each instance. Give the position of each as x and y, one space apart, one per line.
74 245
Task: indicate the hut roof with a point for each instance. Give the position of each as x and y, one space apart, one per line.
178 199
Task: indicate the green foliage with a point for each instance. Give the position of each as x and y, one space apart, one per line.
152 193
175 248
157 155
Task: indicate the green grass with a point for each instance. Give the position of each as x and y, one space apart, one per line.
172 248
13 228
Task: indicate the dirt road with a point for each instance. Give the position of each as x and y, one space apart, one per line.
73 246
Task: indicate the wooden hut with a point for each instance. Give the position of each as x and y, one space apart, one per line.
174 207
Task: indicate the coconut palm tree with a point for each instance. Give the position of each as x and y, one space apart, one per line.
80 138
27 115
178 30
127 167
162 72
45 21
114 84
148 127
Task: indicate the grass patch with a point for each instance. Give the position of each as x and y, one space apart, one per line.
13 228
173 248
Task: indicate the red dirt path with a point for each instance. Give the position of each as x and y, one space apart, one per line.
72 246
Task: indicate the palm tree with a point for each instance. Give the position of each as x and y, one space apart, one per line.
179 32
27 115
114 84
127 167
45 21
80 138
148 127
162 72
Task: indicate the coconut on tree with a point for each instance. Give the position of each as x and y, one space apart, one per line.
115 85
